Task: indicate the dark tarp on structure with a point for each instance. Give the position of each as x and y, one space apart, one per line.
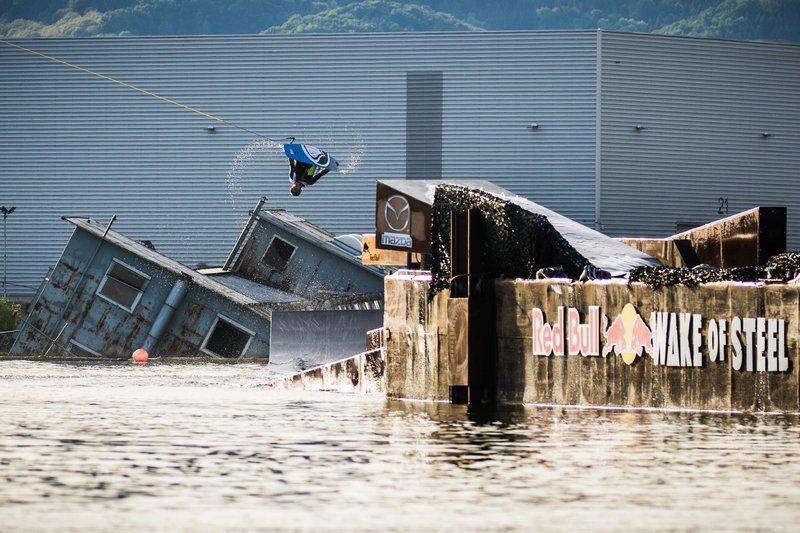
521 236
598 249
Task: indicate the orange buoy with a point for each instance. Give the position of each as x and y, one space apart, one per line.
139 356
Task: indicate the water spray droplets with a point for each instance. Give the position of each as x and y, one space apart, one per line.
354 156
241 161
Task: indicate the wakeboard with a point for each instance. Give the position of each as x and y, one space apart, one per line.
311 155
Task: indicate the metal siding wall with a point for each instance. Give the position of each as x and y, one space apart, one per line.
495 86
704 105
74 144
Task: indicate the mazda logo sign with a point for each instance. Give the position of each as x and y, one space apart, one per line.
397 213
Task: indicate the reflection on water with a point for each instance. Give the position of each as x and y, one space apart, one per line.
206 447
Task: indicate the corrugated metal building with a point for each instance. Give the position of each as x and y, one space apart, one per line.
718 130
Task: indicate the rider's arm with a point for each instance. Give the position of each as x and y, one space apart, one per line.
313 179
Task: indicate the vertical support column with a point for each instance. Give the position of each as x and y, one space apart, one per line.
481 339
458 308
459 254
470 313
458 350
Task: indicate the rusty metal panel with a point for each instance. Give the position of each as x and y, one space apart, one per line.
745 239
417 345
316 263
458 341
729 242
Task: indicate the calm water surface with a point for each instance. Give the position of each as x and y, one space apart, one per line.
205 447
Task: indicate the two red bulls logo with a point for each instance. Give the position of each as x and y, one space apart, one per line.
628 336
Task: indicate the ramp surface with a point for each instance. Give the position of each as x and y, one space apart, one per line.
305 339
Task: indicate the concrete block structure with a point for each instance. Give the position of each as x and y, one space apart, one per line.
687 359
478 329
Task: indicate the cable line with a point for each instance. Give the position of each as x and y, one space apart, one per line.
140 90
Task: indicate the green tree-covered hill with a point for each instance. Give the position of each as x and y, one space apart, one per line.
730 19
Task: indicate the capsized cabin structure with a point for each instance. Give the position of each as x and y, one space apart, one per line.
109 294
281 250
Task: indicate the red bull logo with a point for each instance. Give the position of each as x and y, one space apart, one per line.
628 336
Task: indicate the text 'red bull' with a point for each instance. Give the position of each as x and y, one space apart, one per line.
567 334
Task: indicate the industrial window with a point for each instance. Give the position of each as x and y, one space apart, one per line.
122 285
226 338
278 254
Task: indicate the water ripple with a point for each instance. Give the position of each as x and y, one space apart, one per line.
98 447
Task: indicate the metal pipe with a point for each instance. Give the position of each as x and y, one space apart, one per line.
164 316
5 257
83 275
243 235
6 212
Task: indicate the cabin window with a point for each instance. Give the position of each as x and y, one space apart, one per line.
278 254
122 285
226 338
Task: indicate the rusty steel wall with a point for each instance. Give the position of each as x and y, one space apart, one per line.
417 351
579 380
110 330
418 345
744 239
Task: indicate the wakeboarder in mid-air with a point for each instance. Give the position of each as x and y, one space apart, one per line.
307 164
